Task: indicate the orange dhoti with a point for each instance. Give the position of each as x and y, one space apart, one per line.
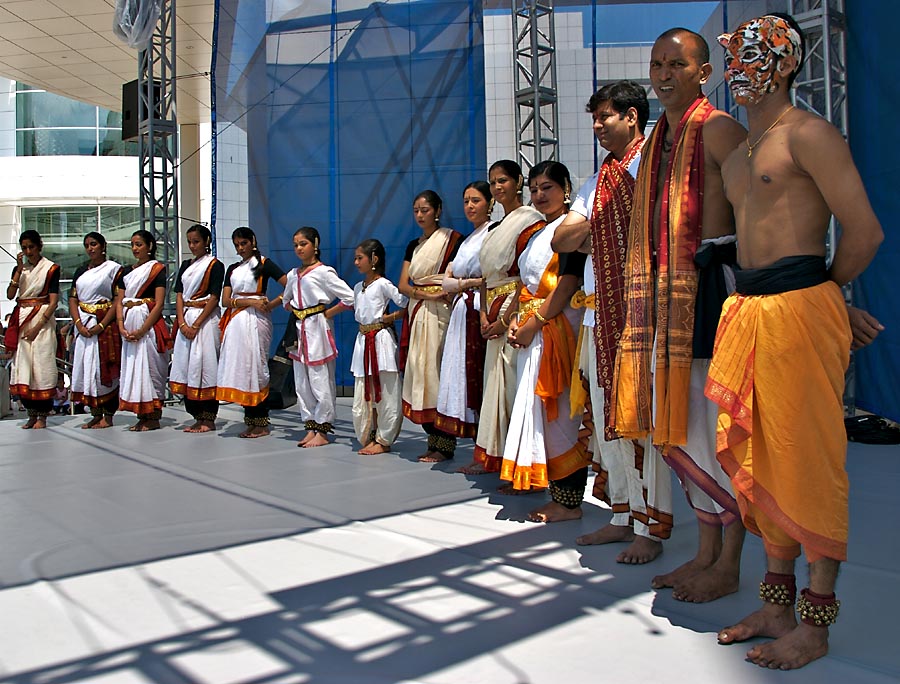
777 375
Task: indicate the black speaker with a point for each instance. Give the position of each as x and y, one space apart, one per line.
282 393
130 100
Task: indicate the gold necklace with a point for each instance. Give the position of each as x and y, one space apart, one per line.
759 139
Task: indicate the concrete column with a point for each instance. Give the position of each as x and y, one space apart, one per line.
189 181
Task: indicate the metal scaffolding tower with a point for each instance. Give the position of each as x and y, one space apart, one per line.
158 141
537 115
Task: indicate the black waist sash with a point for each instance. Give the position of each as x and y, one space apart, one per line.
786 274
712 291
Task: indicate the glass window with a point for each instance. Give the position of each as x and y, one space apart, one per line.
49 124
63 230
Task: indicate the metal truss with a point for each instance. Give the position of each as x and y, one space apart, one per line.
537 108
158 142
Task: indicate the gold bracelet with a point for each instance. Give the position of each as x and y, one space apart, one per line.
102 327
541 319
14 282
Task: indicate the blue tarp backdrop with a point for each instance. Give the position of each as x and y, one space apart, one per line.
874 100
349 110
348 115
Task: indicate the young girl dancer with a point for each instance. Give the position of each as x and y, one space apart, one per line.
141 293
309 290
243 373
98 346
195 358
31 335
377 409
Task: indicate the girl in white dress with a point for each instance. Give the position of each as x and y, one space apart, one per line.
309 290
377 400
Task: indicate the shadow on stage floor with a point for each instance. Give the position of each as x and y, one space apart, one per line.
168 558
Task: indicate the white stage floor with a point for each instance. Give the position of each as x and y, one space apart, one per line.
170 558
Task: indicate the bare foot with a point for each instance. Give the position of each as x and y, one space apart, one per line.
91 423
39 424
641 550
554 512
707 585
309 435
255 432
800 646
193 428
103 423
206 426
137 427
769 621
433 457
473 468
317 440
30 424
365 447
608 534
375 448
679 574
150 425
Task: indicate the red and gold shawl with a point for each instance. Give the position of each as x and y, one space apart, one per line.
609 236
670 278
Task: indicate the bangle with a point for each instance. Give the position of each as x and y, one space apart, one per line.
14 282
541 319
504 321
102 327
195 327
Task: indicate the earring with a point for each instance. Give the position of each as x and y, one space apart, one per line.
521 184
491 205
568 193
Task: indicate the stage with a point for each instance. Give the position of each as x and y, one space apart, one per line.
168 558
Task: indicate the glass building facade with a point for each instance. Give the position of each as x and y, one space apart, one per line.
52 125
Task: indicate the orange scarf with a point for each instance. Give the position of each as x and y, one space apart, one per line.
558 355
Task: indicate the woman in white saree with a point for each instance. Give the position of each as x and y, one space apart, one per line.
141 294
423 269
499 265
543 446
98 347
31 334
195 357
243 373
459 394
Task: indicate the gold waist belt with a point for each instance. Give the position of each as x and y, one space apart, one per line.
137 302
197 303
580 300
500 290
308 311
94 308
369 327
429 289
529 306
